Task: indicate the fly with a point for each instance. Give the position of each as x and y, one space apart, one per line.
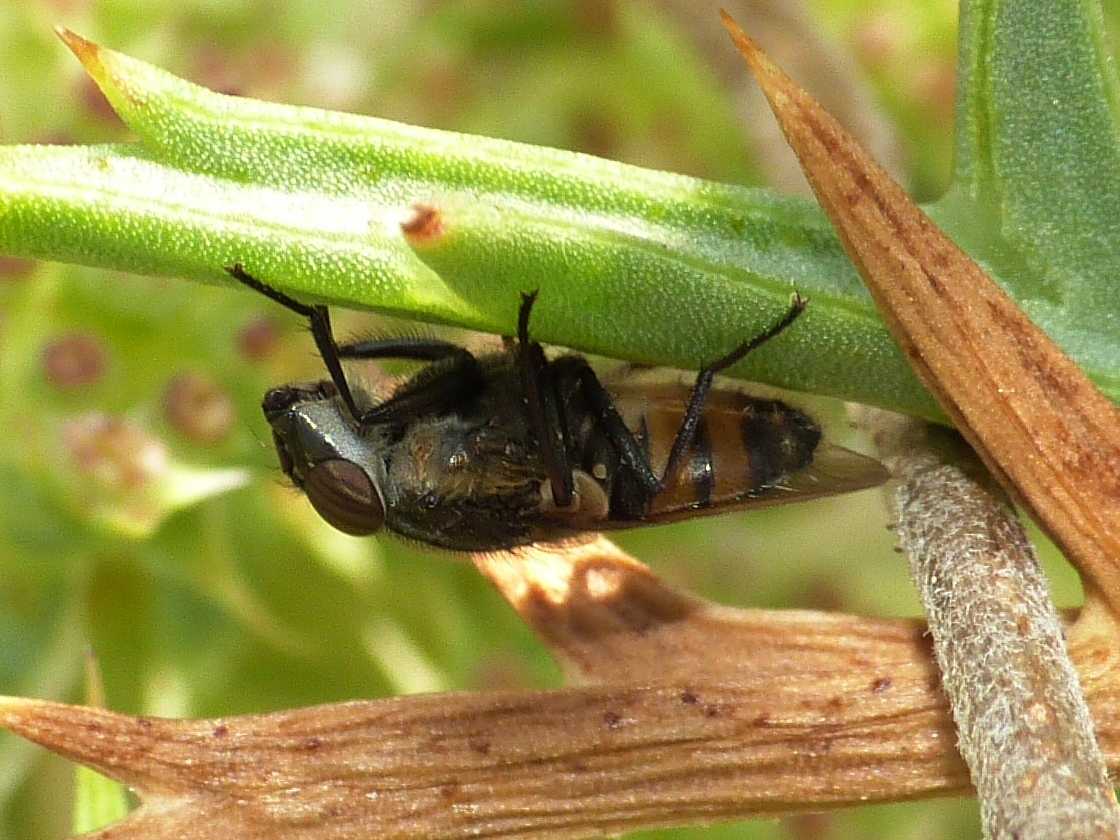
480 453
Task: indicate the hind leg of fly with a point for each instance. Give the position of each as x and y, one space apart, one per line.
541 381
686 434
631 453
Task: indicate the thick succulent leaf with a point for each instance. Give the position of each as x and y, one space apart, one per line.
1037 180
631 263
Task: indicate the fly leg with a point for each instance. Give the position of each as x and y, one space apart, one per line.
543 407
541 381
453 375
695 410
320 321
631 454
630 451
459 375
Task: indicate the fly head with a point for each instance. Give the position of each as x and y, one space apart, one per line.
323 452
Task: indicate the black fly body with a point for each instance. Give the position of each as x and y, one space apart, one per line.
479 453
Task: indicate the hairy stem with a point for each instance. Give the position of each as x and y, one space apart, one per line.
1024 726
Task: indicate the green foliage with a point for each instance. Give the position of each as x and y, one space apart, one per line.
222 600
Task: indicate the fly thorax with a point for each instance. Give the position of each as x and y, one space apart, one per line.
449 491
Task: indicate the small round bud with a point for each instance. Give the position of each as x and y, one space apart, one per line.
116 454
198 409
258 339
73 361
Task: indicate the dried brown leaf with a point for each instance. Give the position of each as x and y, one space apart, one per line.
1040 425
727 713
610 620
572 763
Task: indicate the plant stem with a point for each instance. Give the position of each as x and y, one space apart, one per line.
1024 726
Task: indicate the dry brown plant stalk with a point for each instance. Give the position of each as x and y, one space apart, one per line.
702 713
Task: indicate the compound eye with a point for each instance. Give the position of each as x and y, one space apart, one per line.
342 493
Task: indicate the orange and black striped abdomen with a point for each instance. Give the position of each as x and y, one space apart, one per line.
743 444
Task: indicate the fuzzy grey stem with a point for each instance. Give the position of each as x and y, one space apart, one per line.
1023 724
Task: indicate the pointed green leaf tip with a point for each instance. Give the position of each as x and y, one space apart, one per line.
631 263
87 52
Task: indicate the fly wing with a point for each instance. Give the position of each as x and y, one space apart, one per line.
749 452
833 470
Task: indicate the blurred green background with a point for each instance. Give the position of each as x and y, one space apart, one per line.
142 512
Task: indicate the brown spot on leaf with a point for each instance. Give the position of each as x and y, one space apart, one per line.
613 720
881 684
220 731
479 746
689 699
14 268
423 225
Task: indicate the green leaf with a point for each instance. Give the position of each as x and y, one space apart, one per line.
1037 181
98 800
631 263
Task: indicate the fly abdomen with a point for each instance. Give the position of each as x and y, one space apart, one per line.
742 446
777 441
